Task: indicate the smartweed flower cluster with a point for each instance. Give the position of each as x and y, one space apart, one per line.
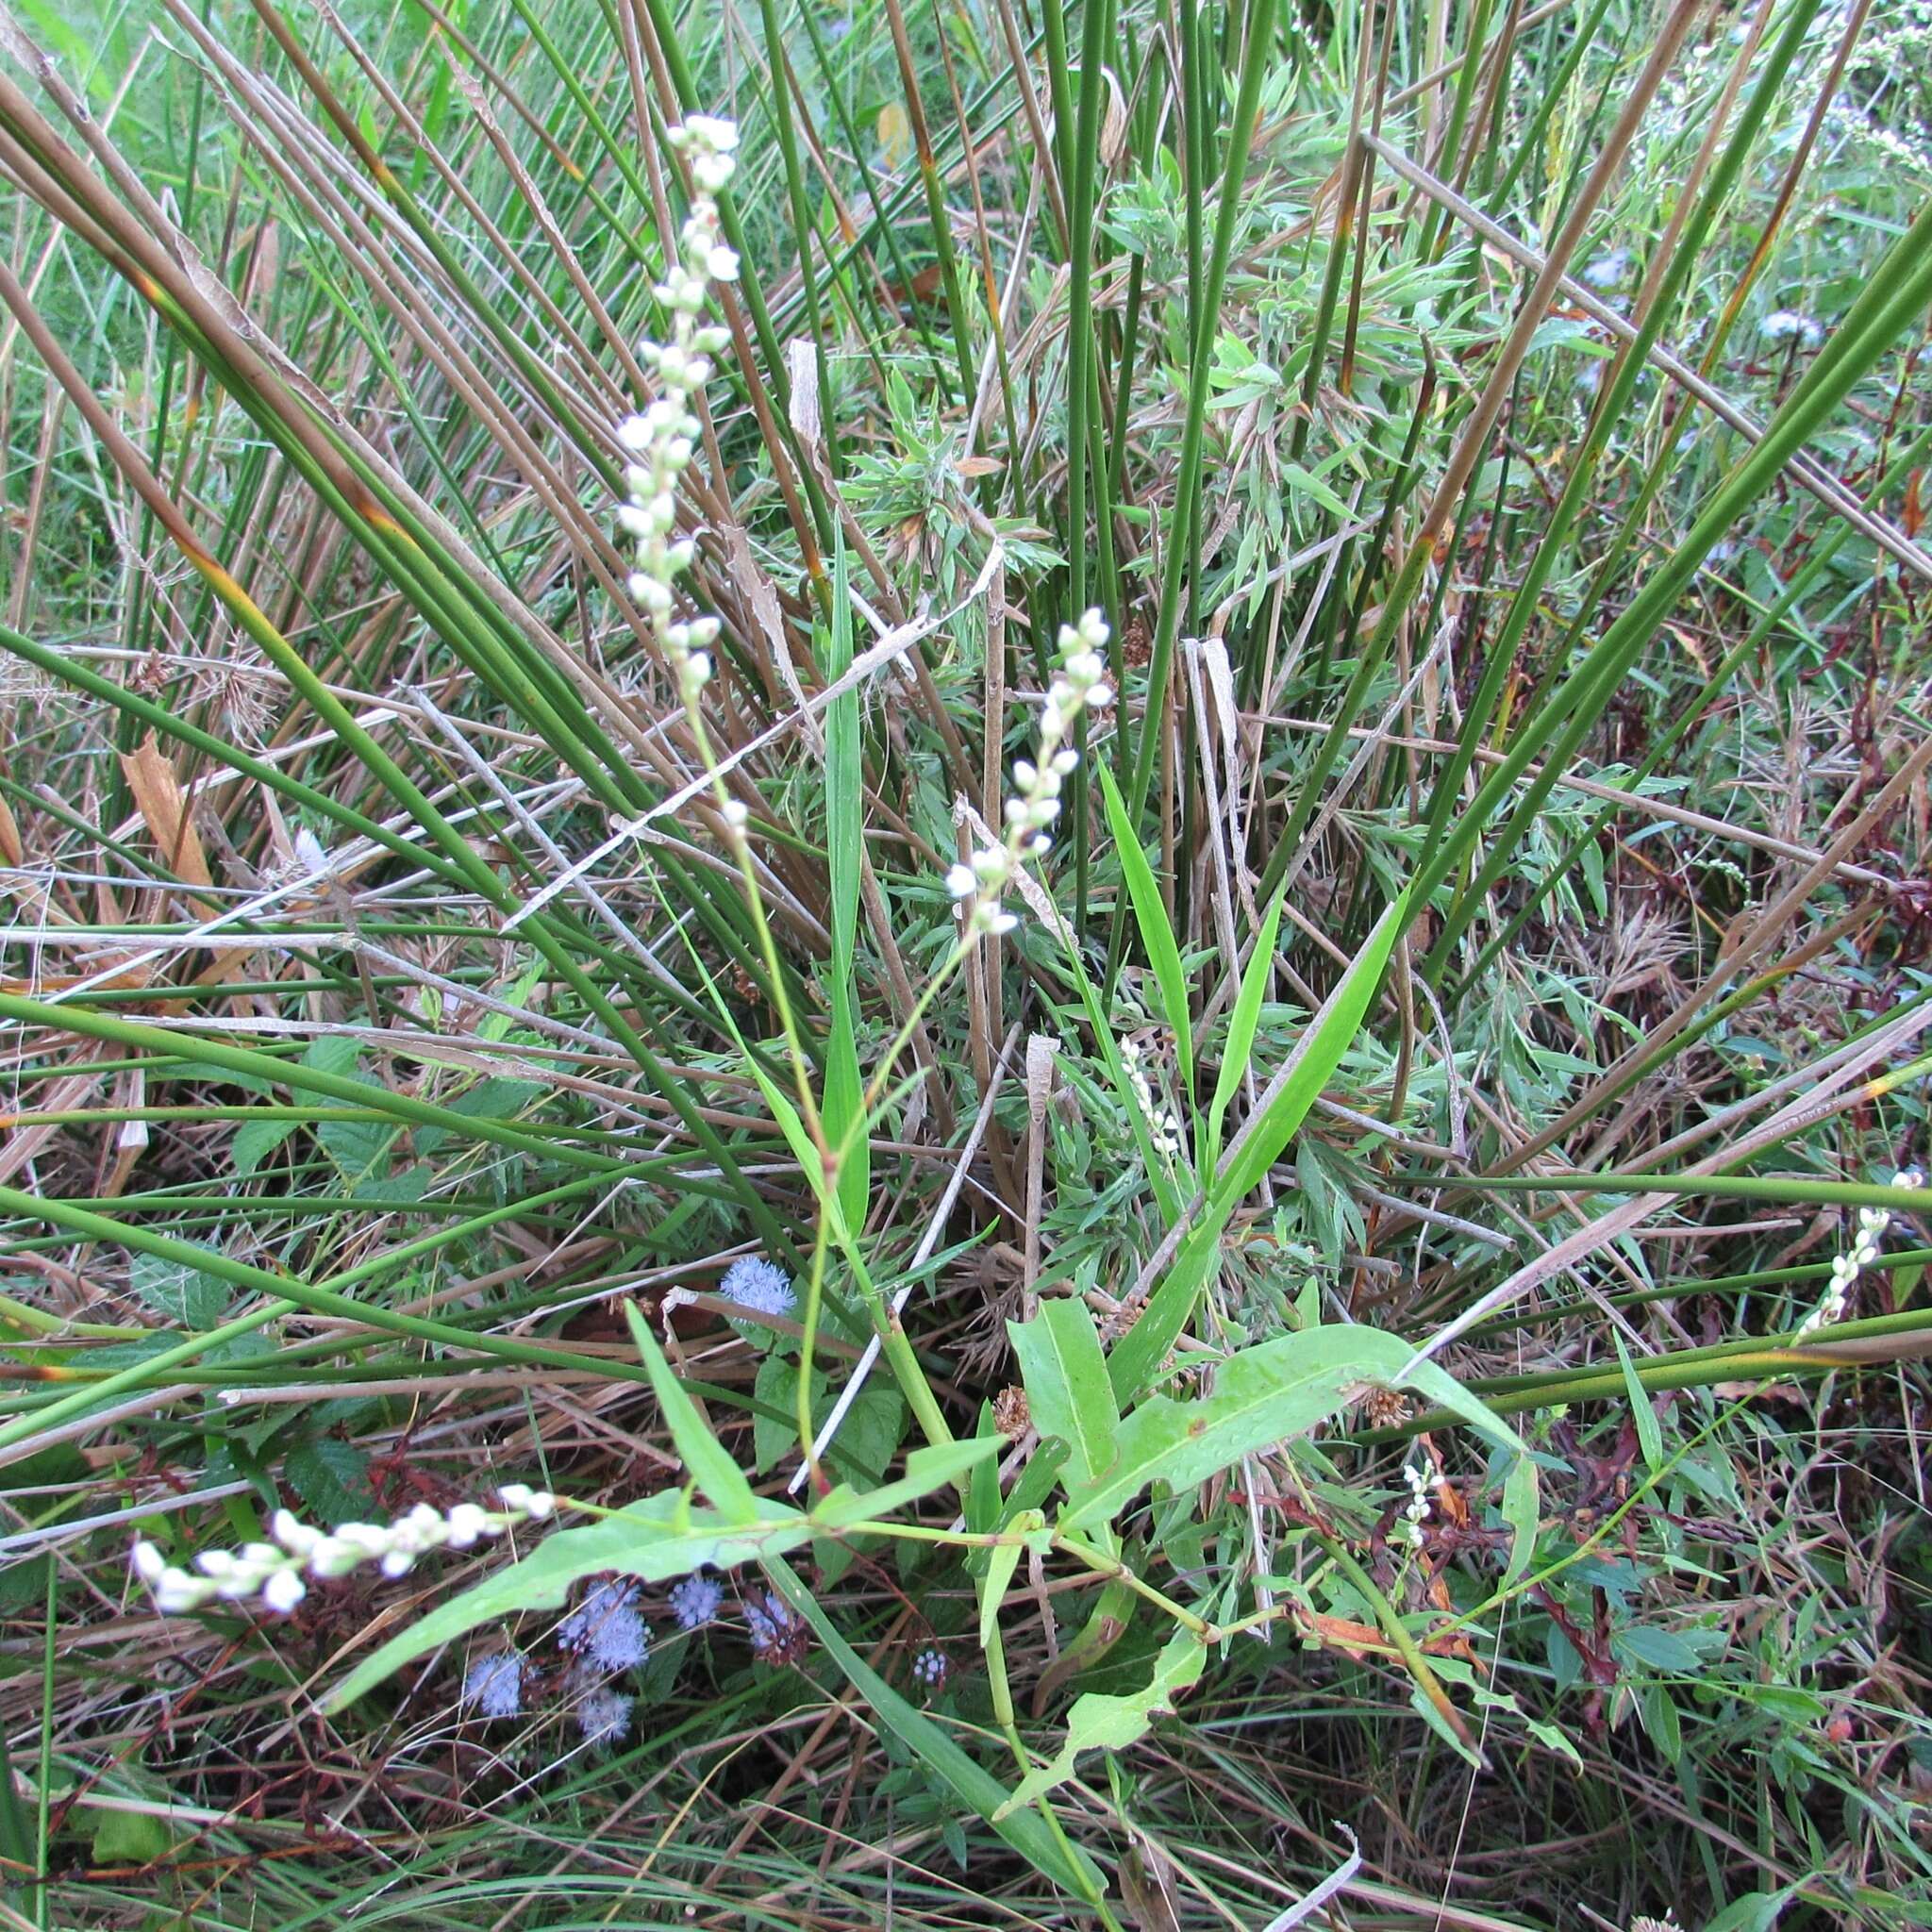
1163 1129
660 443
1079 686
1848 1266
273 1570
1416 1511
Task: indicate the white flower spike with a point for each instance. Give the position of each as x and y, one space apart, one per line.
1079 686
661 439
273 1571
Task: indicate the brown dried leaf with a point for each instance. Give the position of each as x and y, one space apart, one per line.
163 805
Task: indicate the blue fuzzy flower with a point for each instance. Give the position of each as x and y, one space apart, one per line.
776 1635
607 1627
753 1282
603 1716
494 1684
695 1600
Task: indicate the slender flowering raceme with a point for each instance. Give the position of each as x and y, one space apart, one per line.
661 440
1864 1250
273 1570
1079 686
1417 1511
1163 1129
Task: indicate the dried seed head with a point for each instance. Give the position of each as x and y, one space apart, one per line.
1011 1414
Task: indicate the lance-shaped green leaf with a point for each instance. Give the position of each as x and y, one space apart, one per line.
662 1537
1282 1107
1521 1512
844 1105
1240 1028
1157 933
1262 1395
1102 1723
1067 1389
709 1460
1027 1832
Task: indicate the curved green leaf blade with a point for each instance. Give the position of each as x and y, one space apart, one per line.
1101 1723
1262 1395
1067 1391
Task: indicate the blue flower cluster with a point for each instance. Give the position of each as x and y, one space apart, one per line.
607 1628
695 1600
753 1282
494 1684
778 1637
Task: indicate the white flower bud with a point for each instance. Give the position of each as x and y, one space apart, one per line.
961 883
177 1592
283 1592
467 1523
712 131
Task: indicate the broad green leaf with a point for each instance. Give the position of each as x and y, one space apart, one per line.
178 1293
254 1141
663 1537
1026 1831
331 1477
1157 933
1067 1389
1290 1094
1261 1397
1521 1512
1240 1028
1102 1723
777 1387
926 1469
125 1837
708 1460
1756 1911
868 1438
